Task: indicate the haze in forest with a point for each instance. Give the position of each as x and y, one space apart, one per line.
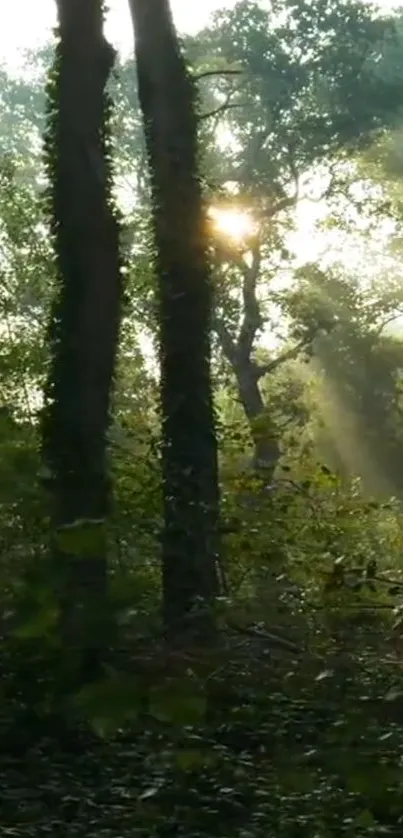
201 419
324 231
28 23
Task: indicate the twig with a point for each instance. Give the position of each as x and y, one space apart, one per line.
263 634
226 106
207 73
290 354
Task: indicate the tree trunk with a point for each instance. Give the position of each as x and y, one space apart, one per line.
247 375
266 449
84 324
185 295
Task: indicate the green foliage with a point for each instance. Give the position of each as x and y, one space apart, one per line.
110 704
178 702
82 538
251 738
312 83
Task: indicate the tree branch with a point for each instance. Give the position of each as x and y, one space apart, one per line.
252 319
284 203
327 192
208 73
263 634
290 354
395 316
226 106
228 346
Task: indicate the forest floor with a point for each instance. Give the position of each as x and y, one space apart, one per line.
286 749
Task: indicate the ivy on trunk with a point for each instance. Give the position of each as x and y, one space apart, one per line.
185 294
84 326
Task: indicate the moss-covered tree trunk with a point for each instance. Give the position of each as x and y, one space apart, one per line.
189 452
84 323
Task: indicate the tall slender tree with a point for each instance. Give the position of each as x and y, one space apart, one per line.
84 322
189 448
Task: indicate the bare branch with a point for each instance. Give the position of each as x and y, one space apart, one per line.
228 346
286 201
252 319
270 637
327 192
391 319
290 354
282 204
208 73
226 106
293 168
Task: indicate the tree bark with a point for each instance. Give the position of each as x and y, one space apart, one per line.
266 449
84 324
185 294
247 375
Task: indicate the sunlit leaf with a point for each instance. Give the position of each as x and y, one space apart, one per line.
394 694
148 793
327 673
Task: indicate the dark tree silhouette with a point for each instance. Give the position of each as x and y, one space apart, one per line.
185 295
85 320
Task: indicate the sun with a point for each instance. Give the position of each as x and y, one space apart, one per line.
234 224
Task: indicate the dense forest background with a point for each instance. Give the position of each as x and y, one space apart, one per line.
201 426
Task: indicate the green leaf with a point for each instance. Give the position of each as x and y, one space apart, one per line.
393 694
39 624
296 780
365 819
327 673
189 759
83 538
150 792
178 702
110 703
